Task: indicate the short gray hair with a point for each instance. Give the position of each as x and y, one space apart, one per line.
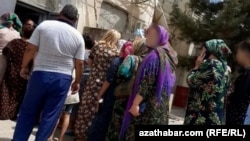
70 12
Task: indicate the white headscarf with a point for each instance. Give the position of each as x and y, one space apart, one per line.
121 42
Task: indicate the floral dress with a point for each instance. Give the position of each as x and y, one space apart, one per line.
100 124
125 72
101 56
151 111
12 89
208 88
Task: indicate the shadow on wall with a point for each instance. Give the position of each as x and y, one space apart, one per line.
98 33
5 139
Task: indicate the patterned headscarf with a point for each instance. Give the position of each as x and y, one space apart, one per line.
219 49
11 18
126 49
165 78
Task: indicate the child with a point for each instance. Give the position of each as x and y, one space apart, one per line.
238 111
71 100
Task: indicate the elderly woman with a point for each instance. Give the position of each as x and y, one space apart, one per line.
148 103
13 86
208 83
127 72
9 30
100 59
103 117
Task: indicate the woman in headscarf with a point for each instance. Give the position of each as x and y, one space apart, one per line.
208 83
100 123
100 59
125 72
13 86
10 26
148 103
238 107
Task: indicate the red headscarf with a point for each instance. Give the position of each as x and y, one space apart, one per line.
126 49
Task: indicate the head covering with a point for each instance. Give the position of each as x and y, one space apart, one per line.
126 49
121 42
11 18
139 32
219 49
165 77
162 34
140 48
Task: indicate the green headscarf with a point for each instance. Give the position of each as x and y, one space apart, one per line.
219 49
11 18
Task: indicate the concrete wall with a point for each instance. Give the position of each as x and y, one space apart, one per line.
89 13
48 5
181 46
112 17
138 15
86 9
181 77
7 6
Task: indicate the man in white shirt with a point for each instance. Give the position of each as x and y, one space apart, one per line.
59 49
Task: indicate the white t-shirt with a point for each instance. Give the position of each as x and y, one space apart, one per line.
58 45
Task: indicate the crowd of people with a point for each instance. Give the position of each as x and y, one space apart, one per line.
49 70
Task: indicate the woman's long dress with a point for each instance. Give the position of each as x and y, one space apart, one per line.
208 88
100 123
12 89
101 57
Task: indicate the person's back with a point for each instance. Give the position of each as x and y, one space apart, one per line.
59 49
58 43
6 35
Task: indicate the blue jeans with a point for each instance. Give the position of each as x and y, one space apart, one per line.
247 119
46 94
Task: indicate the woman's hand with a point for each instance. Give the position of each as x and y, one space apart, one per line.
75 87
200 59
134 110
100 101
24 73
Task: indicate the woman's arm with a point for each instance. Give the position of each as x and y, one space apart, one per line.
92 55
144 91
89 62
197 77
134 110
110 77
104 88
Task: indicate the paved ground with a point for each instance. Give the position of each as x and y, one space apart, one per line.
7 127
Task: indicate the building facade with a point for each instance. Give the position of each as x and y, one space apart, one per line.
182 47
96 16
122 15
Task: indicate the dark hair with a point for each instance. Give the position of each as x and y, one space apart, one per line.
27 31
70 12
245 45
26 23
89 41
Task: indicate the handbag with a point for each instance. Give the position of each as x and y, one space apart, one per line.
125 87
72 99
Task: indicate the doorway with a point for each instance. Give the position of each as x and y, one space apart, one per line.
25 11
